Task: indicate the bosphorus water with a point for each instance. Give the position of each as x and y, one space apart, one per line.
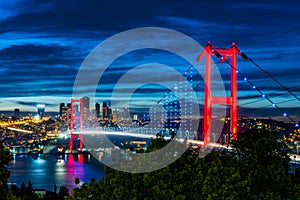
45 170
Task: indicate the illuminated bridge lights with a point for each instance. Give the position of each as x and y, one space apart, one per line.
182 91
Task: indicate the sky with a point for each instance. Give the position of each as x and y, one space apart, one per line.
44 42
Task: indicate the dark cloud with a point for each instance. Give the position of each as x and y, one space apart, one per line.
45 41
79 15
32 103
269 111
29 51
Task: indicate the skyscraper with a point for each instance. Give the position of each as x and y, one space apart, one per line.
86 105
41 110
66 114
17 113
104 110
97 108
61 106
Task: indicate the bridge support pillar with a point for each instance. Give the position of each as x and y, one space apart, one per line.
209 100
76 122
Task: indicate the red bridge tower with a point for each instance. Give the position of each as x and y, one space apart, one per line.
209 100
73 119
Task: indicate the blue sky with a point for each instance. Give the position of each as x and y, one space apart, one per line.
44 42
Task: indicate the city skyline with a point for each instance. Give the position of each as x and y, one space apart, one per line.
43 44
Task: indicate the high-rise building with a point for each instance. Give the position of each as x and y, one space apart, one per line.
17 113
41 110
66 114
104 110
86 105
109 113
61 106
97 108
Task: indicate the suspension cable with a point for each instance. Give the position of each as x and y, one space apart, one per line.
266 106
243 55
186 72
254 87
269 95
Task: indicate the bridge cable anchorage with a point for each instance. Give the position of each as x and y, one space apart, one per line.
243 55
254 87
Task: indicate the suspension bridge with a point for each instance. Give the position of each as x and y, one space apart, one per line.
176 112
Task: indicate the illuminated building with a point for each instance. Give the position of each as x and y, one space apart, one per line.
17 113
97 108
106 111
86 105
41 110
61 106
65 111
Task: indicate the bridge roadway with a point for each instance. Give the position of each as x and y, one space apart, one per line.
148 133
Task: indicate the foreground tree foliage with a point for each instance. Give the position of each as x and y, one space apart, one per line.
27 193
5 159
255 168
264 161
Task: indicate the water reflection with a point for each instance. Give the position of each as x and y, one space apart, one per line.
46 170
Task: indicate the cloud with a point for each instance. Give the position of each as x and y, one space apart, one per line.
269 111
45 41
32 103
29 51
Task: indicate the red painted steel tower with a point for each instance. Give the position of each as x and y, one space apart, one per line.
209 100
74 118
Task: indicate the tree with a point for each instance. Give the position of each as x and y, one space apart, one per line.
76 181
5 159
263 160
22 190
55 188
63 191
256 168
29 188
